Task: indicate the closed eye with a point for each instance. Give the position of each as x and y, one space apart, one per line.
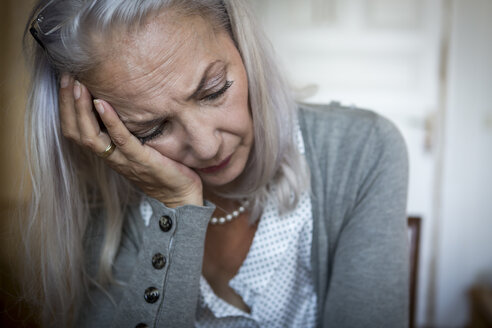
154 133
219 93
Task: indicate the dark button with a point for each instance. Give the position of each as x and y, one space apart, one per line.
158 261
165 223
151 295
141 325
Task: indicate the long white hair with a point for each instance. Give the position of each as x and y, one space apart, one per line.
69 184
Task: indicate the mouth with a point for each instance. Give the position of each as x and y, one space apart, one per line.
216 168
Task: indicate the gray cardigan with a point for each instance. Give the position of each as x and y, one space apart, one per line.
359 177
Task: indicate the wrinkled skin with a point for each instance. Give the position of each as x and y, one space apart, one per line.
169 136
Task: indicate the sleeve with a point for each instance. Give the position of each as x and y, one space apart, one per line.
157 276
369 277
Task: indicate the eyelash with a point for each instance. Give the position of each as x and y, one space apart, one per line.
210 97
154 134
219 93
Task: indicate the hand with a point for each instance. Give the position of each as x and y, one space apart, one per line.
159 177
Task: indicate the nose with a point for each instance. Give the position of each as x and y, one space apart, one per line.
203 140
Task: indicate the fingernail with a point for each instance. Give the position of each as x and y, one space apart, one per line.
64 80
99 106
76 90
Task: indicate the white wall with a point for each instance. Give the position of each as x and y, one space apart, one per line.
465 245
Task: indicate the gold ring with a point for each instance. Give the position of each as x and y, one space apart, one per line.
109 150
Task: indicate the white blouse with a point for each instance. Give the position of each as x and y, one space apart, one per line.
275 280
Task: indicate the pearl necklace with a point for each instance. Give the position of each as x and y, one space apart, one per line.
230 217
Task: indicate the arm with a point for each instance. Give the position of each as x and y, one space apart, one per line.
177 282
142 293
369 279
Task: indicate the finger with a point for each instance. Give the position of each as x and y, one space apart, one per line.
68 122
89 129
107 150
123 139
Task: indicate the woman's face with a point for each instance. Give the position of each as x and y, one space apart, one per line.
180 87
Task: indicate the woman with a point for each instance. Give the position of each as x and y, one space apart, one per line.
171 167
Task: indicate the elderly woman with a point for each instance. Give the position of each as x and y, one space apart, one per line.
176 183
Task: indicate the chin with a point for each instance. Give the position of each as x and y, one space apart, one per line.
222 179
217 182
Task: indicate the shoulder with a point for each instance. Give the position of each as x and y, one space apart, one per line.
336 131
347 150
350 123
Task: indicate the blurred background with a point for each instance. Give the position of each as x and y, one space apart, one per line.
424 64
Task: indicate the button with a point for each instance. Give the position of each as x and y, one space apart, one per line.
151 295
165 223
158 261
141 325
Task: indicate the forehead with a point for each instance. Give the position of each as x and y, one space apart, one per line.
167 54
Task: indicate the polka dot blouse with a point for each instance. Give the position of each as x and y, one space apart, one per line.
275 279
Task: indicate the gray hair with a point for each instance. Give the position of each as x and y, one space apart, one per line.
69 184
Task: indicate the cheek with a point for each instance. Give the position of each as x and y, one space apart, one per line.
239 107
168 147
236 118
244 115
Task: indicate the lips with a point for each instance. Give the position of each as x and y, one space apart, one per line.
216 168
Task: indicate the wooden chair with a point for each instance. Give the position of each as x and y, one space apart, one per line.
414 224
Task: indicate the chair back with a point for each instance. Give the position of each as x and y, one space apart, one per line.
414 224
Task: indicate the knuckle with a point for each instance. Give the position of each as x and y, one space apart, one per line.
87 142
69 135
110 124
65 132
119 140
